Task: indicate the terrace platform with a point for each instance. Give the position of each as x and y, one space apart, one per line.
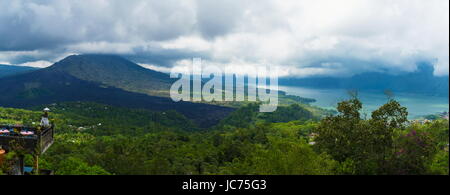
30 139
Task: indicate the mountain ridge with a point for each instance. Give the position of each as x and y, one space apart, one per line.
115 71
9 70
55 84
421 81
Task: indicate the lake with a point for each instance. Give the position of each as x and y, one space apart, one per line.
417 105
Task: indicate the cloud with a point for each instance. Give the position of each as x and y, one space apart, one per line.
308 37
37 64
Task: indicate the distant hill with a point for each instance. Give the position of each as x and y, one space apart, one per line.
115 71
8 70
79 78
421 81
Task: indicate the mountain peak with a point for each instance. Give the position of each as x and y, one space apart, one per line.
113 70
96 64
95 56
94 60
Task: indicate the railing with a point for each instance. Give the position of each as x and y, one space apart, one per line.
46 139
28 139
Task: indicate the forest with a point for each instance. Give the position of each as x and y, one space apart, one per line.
97 139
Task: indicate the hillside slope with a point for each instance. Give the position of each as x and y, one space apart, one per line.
55 84
8 70
115 71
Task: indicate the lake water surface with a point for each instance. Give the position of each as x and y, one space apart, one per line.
417 105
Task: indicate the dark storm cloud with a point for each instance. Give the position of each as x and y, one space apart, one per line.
163 57
218 17
28 25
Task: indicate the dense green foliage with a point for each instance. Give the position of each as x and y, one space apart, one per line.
248 115
98 139
383 144
101 119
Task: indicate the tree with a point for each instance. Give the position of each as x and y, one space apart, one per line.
75 166
364 144
439 164
342 136
415 151
383 124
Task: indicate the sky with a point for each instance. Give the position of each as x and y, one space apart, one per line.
304 37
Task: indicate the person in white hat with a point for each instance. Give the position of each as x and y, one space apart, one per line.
44 121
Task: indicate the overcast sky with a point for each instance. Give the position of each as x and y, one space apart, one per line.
305 37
